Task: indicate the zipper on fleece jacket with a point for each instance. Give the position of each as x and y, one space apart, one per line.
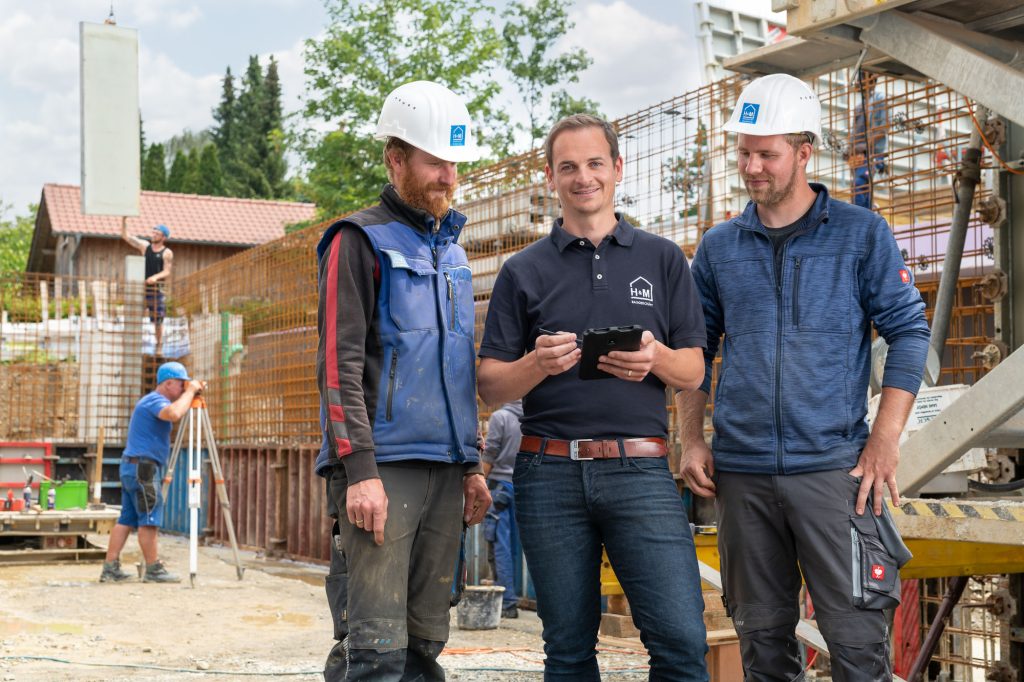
796 292
777 402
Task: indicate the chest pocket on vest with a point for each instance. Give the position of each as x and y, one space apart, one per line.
411 299
461 314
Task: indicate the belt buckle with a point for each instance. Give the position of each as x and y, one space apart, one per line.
574 450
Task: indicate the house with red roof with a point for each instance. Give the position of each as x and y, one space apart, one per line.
204 230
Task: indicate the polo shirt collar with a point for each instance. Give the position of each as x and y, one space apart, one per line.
622 234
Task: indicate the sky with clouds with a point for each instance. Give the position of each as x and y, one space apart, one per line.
643 51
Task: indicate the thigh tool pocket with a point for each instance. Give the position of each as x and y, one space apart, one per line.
876 583
146 496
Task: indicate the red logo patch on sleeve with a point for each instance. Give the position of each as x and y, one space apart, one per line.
877 572
905 276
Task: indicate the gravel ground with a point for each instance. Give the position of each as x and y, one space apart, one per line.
57 622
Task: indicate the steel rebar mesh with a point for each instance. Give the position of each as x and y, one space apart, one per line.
247 324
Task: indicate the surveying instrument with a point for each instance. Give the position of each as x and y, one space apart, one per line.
198 427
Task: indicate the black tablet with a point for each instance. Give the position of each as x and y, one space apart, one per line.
598 342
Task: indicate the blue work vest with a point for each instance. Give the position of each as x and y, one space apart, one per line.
426 407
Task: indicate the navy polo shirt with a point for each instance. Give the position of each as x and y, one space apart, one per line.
563 283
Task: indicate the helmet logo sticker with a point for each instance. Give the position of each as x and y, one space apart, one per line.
749 113
458 137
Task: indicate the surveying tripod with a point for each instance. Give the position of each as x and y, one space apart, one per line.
199 428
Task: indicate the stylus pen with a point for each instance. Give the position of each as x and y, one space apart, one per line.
542 330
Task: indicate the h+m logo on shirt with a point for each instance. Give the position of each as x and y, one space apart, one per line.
641 292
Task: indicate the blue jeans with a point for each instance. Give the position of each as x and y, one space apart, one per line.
862 183
566 510
500 529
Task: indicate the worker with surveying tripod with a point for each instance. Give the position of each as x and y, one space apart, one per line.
142 464
396 368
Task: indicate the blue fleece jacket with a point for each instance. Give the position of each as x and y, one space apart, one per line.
792 392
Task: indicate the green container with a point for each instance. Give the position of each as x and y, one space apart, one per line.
69 494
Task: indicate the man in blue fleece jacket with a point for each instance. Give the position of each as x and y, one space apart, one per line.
795 284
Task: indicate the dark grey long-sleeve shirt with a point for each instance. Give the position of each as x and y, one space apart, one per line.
502 443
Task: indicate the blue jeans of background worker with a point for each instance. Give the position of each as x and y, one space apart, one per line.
500 531
862 184
566 511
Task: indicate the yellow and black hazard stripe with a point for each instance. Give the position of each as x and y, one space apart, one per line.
960 509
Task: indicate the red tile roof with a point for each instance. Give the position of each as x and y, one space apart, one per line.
190 217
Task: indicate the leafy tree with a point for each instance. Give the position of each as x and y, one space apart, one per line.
16 238
185 141
211 180
563 104
530 32
176 178
154 171
368 50
685 175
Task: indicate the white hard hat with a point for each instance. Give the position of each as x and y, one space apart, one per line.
431 117
778 104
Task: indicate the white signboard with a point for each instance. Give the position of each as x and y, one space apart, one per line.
110 120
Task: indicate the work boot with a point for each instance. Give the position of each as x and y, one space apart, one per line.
112 572
157 573
510 611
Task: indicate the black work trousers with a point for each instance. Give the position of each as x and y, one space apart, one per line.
773 528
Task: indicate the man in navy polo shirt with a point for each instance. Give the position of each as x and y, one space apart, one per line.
142 465
591 470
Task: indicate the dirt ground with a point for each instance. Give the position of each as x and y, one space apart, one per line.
57 622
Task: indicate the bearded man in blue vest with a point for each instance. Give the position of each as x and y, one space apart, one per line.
397 378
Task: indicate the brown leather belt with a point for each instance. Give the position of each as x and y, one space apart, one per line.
595 449
132 460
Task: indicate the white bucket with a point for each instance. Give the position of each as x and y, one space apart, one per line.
480 608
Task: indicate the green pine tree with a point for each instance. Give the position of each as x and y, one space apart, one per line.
176 178
211 179
252 141
191 182
154 172
225 134
274 165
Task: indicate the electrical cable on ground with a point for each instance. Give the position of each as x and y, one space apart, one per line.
604 671
161 668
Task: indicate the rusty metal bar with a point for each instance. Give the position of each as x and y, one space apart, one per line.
956 589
